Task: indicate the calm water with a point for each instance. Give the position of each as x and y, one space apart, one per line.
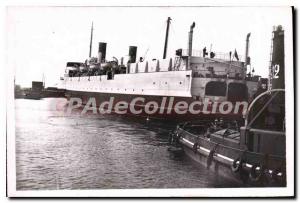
55 151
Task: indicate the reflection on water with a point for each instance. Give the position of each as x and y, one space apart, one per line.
55 151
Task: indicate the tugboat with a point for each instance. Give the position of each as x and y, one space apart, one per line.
254 153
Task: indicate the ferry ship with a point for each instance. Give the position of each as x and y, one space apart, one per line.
189 76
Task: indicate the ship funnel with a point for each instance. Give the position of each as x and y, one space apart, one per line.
132 54
101 52
247 59
277 61
191 39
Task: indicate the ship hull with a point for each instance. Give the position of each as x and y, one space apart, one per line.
165 111
223 156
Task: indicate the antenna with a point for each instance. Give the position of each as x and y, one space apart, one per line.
91 41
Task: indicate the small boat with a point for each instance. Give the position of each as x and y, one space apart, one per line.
253 155
253 152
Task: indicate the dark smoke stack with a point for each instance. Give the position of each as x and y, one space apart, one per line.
132 54
247 59
277 63
101 52
191 39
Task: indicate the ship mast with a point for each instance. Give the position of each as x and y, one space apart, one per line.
91 41
167 37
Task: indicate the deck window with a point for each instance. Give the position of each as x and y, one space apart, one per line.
237 92
215 88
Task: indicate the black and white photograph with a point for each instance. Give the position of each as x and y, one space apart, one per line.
150 101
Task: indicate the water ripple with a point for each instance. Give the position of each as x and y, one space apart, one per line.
54 151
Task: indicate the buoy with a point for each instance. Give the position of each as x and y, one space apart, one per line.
210 157
278 176
195 147
236 165
244 176
178 136
256 175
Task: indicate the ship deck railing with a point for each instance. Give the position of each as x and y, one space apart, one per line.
218 55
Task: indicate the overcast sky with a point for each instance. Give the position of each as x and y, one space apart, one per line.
40 40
